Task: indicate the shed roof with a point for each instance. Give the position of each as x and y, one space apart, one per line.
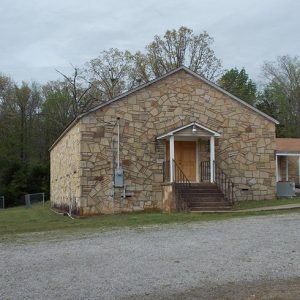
288 145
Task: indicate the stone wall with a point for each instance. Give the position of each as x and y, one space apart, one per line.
65 170
245 149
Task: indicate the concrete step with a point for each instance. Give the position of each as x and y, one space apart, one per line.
199 209
208 200
211 186
193 193
203 199
208 204
200 192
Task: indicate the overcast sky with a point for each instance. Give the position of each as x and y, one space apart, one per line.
39 36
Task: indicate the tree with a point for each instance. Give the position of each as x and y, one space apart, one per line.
238 83
270 100
79 91
115 71
23 160
181 47
281 94
110 73
19 112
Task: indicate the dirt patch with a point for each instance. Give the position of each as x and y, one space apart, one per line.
257 290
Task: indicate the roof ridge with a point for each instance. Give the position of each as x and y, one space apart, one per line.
207 81
133 90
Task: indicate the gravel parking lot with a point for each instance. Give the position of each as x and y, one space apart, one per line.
246 258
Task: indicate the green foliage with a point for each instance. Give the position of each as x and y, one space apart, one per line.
33 116
181 47
250 204
19 220
238 83
115 71
281 94
111 73
16 180
56 110
24 166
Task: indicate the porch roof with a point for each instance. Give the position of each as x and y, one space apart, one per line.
197 125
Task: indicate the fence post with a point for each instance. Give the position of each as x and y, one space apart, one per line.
27 200
3 200
43 199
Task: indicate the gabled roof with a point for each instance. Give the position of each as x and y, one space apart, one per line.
170 73
140 87
211 132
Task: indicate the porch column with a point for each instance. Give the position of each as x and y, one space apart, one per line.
277 169
212 158
286 168
299 168
172 156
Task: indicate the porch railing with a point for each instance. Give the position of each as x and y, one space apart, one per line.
179 177
224 183
180 181
205 170
166 171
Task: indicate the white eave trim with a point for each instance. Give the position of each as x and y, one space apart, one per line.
191 73
217 87
213 133
288 153
152 82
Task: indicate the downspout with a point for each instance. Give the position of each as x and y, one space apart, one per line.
118 123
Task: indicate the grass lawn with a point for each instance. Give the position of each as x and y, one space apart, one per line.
262 203
19 220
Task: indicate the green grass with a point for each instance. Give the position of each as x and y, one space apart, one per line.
262 203
20 220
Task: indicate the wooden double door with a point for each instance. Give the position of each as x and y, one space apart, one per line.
185 157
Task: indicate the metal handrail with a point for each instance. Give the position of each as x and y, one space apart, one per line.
224 183
180 181
179 176
205 170
166 171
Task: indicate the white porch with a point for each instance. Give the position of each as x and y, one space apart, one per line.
291 170
179 151
287 172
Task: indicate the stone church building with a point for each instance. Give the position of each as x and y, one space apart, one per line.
176 142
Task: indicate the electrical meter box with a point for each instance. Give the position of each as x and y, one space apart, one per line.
119 177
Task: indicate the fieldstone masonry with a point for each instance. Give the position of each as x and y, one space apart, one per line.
65 170
86 154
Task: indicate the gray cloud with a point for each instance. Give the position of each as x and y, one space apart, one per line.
38 37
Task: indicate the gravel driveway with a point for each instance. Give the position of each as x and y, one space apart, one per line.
247 258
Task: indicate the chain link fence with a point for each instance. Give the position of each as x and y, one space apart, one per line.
34 198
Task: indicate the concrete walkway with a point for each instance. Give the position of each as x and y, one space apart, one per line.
265 208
